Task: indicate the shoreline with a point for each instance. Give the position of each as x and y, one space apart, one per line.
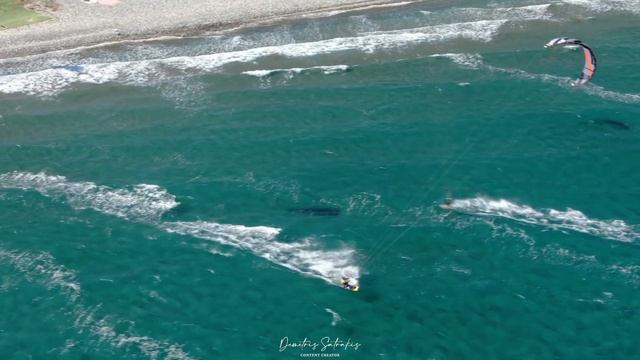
72 27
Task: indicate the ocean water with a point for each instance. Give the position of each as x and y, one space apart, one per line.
157 198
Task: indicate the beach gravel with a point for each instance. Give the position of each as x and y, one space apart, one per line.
80 23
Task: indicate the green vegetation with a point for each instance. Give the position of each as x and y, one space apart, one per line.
14 14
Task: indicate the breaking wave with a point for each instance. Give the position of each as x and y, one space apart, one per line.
600 6
50 81
331 69
520 13
568 219
476 24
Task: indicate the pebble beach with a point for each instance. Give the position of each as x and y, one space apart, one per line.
77 23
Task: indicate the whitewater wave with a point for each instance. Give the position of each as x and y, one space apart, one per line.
330 69
568 219
475 61
600 6
480 30
42 268
50 81
519 13
141 202
147 204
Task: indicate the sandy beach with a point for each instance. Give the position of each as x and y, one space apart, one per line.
78 23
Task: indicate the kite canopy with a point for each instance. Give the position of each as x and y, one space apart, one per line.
589 69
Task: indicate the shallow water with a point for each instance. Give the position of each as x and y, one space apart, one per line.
146 189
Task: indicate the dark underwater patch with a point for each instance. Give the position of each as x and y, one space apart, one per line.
316 211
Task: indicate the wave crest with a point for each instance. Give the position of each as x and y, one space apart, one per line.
50 81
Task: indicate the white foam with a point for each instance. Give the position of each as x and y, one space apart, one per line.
630 271
42 268
214 250
329 69
568 219
471 61
142 202
474 61
305 257
367 204
335 317
482 30
599 91
520 13
50 81
147 203
263 73
568 83
43 265
599 6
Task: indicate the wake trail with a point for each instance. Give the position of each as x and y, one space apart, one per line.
569 219
147 203
475 62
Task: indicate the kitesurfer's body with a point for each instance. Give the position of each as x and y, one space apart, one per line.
446 204
349 283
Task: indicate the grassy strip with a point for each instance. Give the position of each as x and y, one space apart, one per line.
14 14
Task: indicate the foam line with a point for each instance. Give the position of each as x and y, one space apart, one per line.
603 6
50 81
519 13
43 269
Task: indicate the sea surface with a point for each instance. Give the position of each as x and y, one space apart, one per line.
200 198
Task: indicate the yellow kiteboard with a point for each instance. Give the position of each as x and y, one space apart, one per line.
345 285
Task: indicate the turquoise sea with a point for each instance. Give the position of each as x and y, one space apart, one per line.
200 198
